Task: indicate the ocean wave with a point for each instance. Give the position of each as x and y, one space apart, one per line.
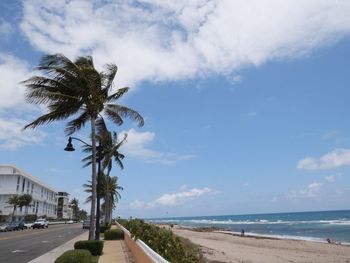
250 222
290 237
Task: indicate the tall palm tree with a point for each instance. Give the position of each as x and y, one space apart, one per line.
112 195
77 89
110 150
109 191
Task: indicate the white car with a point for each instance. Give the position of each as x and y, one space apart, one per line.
70 222
3 227
28 225
41 223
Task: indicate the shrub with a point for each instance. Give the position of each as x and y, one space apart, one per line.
163 241
114 234
75 256
103 228
94 246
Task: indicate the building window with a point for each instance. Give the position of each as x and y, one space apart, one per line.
32 189
28 187
18 182
23 184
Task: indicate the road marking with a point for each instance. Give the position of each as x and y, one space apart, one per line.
59 236
45 241
18 251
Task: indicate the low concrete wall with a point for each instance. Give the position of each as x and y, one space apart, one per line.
138 253
140 250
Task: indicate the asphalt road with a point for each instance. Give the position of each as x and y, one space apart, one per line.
24 245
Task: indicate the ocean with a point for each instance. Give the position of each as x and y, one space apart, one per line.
311 226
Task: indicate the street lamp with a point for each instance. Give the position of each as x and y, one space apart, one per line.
70 148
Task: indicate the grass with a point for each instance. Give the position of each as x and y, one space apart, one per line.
95 259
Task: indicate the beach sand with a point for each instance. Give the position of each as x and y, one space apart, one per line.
221 247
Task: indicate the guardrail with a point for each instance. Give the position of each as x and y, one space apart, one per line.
134 246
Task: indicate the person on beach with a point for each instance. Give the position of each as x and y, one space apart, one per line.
332 242
242 233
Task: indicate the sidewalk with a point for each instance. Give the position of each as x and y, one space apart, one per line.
113 251
51 256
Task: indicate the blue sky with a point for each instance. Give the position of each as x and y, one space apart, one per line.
245 103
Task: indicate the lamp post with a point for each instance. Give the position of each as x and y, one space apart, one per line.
70 148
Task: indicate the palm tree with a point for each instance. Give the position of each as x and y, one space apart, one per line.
25 200
110 150
76 88
14 201
109 191
112 195
74 204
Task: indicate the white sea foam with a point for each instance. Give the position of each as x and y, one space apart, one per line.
247 222
290 237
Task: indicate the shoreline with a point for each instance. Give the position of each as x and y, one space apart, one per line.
225 246
261 236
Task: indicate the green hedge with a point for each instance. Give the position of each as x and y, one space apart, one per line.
94 246
75 256
103 228
163 241
114 234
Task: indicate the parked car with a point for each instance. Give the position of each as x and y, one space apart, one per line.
41 223
28 225
19 225
70 222
5 227
86 224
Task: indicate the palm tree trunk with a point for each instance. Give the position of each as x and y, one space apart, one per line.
13 212
94 179
107 206
110 213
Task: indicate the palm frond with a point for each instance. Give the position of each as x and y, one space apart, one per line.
108 77
124 111
77 124
119 93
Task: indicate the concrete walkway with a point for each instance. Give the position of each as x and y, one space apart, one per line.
113 252
51 256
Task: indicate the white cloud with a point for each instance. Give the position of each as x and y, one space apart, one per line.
136 204
12 136
169 40
333 159
12 103
172 199
181 197
311 191
136 146
12 71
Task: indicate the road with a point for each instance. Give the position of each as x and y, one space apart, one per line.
25 245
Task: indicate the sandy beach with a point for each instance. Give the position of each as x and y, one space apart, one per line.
221 247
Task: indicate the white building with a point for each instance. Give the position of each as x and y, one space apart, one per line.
63 209
14 181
